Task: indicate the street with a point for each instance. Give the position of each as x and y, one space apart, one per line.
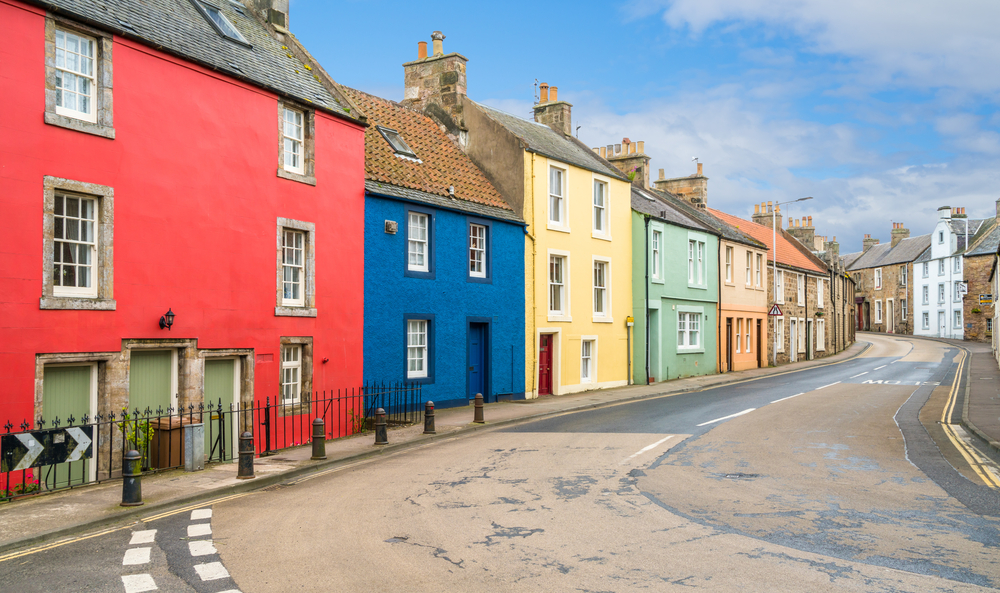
837 477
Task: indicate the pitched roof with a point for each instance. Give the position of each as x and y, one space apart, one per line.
177 27
958 227
788 253
680 210
849 258
541 139
884 254
987 239
440 163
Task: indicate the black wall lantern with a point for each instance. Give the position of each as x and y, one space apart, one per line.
167 320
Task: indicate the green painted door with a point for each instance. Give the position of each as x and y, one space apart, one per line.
219 377
149 381
65 393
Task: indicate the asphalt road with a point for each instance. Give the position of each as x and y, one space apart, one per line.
832 478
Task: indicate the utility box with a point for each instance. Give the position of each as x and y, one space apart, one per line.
166 449
194 447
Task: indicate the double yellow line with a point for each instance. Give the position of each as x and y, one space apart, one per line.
969 453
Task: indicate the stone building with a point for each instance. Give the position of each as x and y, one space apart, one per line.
977 306
883 276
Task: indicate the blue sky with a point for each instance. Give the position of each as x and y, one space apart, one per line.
883 111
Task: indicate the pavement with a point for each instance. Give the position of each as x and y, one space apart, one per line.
46 519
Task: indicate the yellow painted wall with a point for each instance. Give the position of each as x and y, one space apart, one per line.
580 245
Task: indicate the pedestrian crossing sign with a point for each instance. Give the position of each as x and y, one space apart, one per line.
775 311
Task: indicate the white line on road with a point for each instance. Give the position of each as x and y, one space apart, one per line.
881 367
202 547
143 537
137 583
825 386
199 514
644 449
199 529
789 397
859 374
728 417
136 556
211 571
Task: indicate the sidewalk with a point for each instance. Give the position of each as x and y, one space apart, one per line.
41 519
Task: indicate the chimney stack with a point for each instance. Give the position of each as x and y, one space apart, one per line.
898 233
629 158
867 243
693 188
944 212
552 112
436 85
998 209
763 212
803 231
273 11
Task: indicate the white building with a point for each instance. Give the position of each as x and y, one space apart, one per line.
938 285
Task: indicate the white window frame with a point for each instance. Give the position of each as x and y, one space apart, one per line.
941 292
656 258
927 269
957 315
600 212
820 292
927 320
419 245
940 237
878 278
588 359
749 334
696 260
780 287
291 365
759 260
559 222
77 245
958 291
820 345
477 250
958 264
61 71
749 278
800 289
305 305
739 333
729 264
902 308
685 316
927 294
605 291
878 311
903 275
940 267
417 347
779 334
290 266
563 312
289 139
801 341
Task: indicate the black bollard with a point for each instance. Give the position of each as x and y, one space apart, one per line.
245 469
381 428
132 483
429 418
478 418
319 439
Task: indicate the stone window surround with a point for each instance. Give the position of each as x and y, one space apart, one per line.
305 375
308 144
309 290
103 101
104 275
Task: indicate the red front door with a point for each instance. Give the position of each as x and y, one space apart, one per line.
545 364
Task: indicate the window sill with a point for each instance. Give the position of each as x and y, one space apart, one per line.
552 317
690 350
479 280
558 229
698 286
728 283
601 236
66 302
306 179
294 312
656 280
603 320
79 125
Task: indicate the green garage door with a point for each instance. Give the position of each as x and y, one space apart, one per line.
65 393
149 380
219 377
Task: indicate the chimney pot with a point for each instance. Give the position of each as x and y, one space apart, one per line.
437 37
421 50
699 169
756 208
662 176
810 221
604 153
554 93
641 145
543 91
631 148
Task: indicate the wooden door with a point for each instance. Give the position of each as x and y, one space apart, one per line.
729 344
150 382
477 360
67 391
545 364
760 346
220 385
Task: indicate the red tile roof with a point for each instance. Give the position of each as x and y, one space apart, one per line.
441 162
788 253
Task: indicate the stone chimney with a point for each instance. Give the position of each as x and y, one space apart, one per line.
867 243
436 84
693 188
629 158
899 233
958 213
762 214
944 212
803 230
552 112
998 208
832 249
273 11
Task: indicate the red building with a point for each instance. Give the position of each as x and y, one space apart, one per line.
180 156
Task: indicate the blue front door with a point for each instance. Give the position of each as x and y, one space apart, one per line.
477 360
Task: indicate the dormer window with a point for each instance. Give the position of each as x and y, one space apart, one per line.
399 146
219 21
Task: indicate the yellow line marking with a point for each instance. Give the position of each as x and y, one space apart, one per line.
193 507
949 407
35 550
971 458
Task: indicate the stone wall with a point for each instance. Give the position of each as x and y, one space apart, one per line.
892 288
835 315
977 274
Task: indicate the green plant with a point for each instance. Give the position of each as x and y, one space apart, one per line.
136 432
976 310
631 173
357 421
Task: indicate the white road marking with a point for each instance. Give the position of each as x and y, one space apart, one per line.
211 571
202 547
728 417
789 397
143 537
859 374
644 449
199 529
230 591
825 386
135 556
137 583
198 514
881 367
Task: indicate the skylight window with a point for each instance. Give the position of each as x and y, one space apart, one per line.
397 143
219 21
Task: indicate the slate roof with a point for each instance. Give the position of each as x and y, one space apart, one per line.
788 253
958 227
680 211
177 27
849 258
987 240
884 254
440 163
543 140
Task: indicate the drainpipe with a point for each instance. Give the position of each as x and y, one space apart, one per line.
647 297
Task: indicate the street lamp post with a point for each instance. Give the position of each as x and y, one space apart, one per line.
774 267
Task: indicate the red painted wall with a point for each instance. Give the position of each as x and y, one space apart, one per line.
196 207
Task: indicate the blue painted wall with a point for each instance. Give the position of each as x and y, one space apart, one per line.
447 297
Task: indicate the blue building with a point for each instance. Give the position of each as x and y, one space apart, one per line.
444 264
